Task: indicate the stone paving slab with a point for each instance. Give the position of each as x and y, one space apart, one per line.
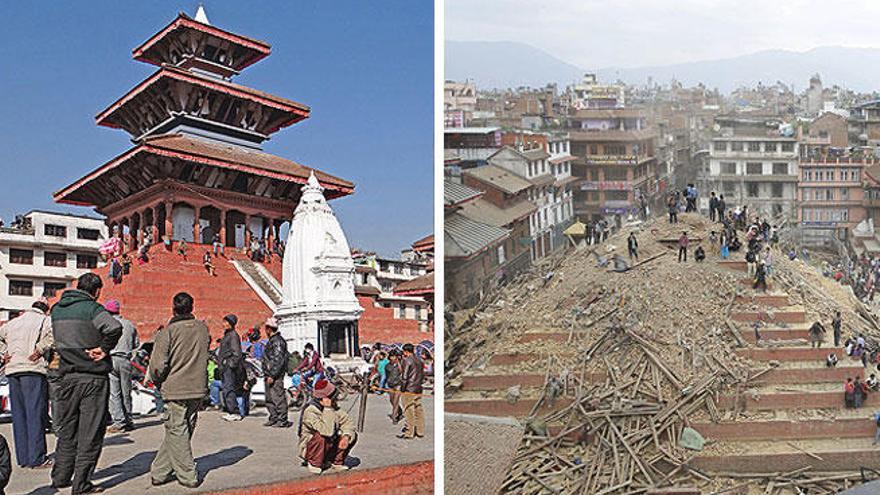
232 455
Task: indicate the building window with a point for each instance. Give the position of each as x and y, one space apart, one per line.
418 312
728 168
780 169
787 147
21 288
401 311
730 188
752 190
754 168
87 234
615 149
776 190
770 147
51 288
86 261
844 193
54 259
829 194
721 146
736 146
21 256
754 146
594 149
55 230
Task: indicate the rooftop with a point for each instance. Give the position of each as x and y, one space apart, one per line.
614 135
455 194
507 181
470 130
465 237
485 212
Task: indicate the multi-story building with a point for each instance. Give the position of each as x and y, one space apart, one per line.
459 102
752 163
826 134
471 146
590 94
474 252
831 196
44 255
614 158
550 192
864 124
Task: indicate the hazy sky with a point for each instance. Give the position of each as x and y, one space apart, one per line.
593 34
365 68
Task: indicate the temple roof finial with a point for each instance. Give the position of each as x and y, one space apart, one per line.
201 16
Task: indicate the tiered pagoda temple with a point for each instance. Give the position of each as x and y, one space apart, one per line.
197 168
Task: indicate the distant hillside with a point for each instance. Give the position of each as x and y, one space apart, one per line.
508 64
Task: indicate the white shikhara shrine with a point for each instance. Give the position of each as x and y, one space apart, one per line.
319 304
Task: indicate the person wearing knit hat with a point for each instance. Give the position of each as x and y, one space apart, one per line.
232 370
274 361
326 433
120 377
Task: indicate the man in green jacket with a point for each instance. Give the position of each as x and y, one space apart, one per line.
84 334
179 368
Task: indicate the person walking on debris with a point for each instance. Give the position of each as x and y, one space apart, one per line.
274 361
872 383
683 243
673 210
768 261
413 374
713 205
120 377
25 344
632 245
84 334
232 369
751 263
859 393
760 278
326 432
836 323
178 368
817 334
393 382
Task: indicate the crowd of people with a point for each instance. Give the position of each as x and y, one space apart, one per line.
80 356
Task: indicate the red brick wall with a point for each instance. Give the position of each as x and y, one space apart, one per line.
377 324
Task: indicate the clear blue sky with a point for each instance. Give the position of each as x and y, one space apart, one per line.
365 68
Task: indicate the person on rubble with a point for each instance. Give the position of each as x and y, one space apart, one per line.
751 262
768 261
836 323
872 383
632 245
860 392
831 361
817 334
699 254
673 209
721 207
683 243
713 205
760 278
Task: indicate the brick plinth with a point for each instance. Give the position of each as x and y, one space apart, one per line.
787 430
780 463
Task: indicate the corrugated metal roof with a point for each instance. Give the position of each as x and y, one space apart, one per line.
503 179
465 237
486 212
455 193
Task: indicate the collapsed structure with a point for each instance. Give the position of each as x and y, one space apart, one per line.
652 379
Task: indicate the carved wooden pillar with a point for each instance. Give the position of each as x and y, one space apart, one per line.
142 215
169 226
197 227
154 222
247 230
270 236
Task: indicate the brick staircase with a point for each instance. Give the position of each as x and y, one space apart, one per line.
787 409
147 291
267 286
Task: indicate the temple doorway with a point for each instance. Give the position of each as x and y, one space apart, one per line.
337 338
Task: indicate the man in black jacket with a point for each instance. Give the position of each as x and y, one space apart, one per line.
232 366
274 362
85 333
413 374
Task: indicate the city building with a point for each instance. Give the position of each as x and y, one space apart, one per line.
614 160
471 146
590 94
44 254
826 134
864 124
752 162
474 252
550 191
815 95
459 102
831 198
197 170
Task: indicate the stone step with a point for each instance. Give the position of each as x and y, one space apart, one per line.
791 353
738 265
505 381
776 334
788 314
790 459
775 300
792 400
750 281
501 407
788 430
508 359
